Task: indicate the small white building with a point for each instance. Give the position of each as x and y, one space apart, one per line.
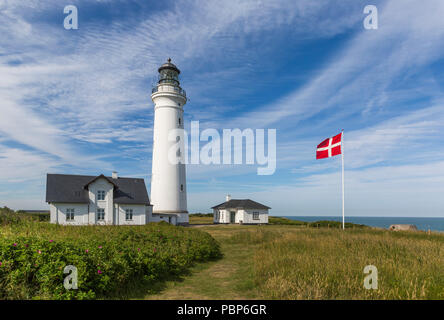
241 211
83 200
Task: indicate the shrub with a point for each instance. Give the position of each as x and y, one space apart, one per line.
108 258
201 215
285 221
335 224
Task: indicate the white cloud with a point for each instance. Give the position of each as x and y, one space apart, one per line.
66 88
409 37
410 190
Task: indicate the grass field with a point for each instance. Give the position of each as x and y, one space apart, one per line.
293 262
284 260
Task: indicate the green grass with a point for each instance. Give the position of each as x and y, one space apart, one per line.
328 264
201 219
290 262
282 260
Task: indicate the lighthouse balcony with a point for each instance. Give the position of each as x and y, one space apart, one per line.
173 89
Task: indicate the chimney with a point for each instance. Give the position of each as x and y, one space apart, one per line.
114 175
228 197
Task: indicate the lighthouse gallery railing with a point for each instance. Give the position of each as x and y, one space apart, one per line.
169 89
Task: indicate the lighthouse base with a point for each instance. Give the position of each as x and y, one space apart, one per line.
173 217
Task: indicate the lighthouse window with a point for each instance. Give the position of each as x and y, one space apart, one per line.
180 121
181 187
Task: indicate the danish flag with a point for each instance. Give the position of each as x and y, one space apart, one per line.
329 147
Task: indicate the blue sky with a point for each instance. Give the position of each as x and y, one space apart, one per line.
78 101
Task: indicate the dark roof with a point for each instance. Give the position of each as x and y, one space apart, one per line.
110 180
241 203
70 188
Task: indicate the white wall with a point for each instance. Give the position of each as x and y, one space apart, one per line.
183 218
58 213
246 216
107 204
149 214
219 216
139 214
167 177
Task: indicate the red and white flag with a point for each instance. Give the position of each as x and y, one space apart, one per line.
329 147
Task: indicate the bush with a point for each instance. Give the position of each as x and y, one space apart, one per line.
285 221
9 216
201 215
335 224
316 224
108 258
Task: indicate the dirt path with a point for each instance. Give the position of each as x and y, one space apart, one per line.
226 278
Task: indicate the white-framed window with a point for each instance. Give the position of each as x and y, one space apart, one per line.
129 214
100 195
100 214
255 215
70 214
216 215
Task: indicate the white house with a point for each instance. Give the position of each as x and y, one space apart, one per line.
82 200
242 211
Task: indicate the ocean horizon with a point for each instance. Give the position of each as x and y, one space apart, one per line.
422 223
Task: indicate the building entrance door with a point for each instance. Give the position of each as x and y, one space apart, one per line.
232 217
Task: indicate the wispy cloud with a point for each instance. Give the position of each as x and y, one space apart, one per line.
79 100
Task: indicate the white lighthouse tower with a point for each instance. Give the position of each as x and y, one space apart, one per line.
168 179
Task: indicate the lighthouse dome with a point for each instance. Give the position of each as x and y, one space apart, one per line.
169 65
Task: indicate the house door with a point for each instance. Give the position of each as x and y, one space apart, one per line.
232 216
169 220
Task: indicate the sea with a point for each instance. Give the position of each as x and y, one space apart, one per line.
434 224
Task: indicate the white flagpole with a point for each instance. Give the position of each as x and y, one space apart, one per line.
342 153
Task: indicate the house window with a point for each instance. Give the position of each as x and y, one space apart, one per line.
129 214
100 195
255 215
70 214
100 214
